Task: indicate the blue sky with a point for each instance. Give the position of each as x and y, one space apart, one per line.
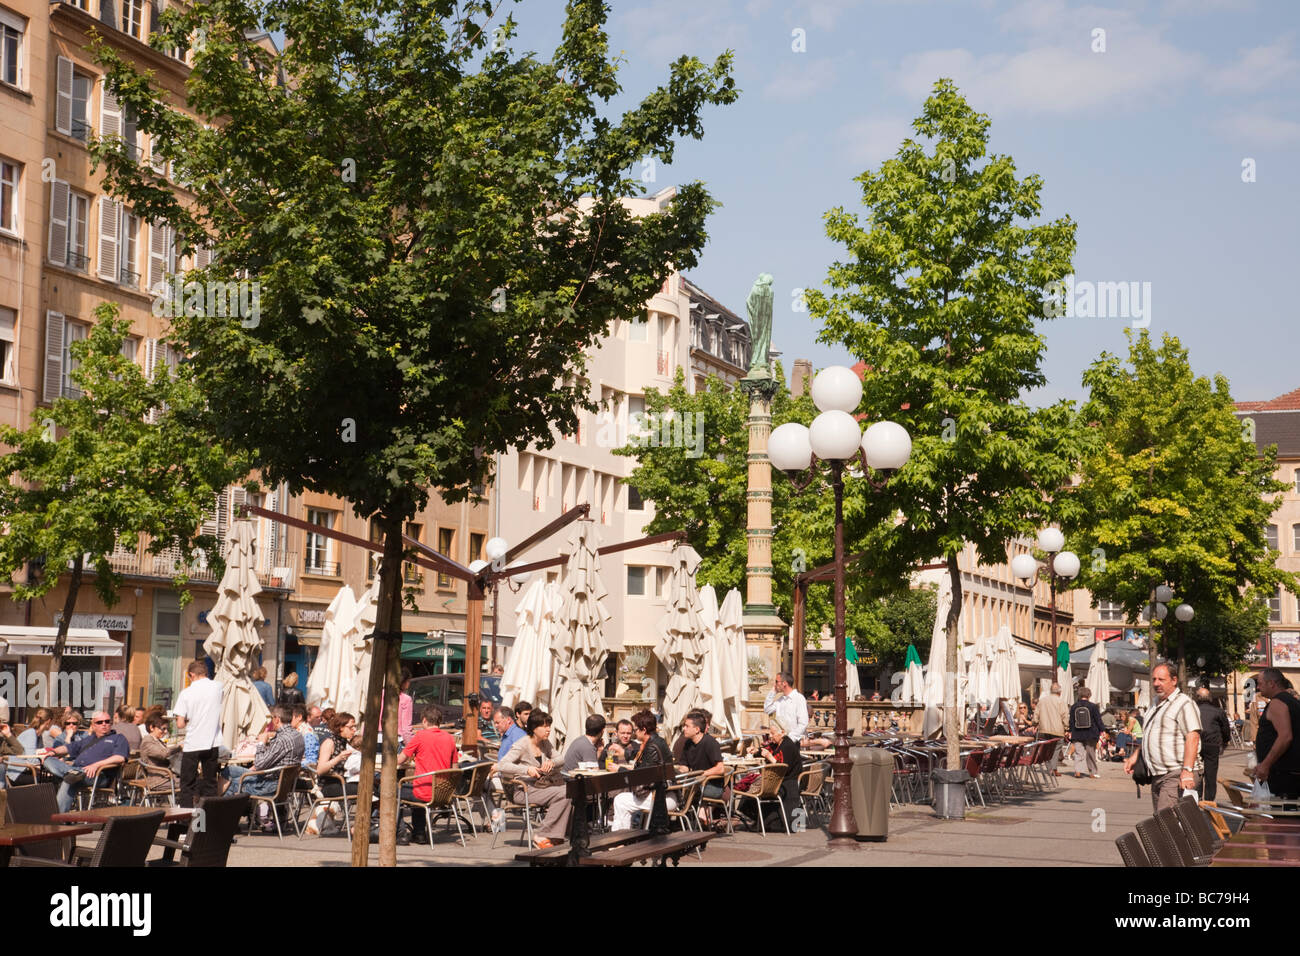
1142 144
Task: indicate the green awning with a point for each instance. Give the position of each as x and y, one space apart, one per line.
422 647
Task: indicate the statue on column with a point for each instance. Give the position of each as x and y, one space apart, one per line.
759 305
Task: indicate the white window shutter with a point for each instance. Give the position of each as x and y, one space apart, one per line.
110 113
171 250
58 251
110 225
63 103
53 386
159 247
202 257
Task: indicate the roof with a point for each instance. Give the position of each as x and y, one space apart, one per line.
1273 426
1283 403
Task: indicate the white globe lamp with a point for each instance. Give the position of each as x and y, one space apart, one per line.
836 389
1024 566
1066 565
887 445
789 447
477 565
835 436
1184 612
1164 593
495 548
1051 540
1162 611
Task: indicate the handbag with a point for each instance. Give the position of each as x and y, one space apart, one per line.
1141 772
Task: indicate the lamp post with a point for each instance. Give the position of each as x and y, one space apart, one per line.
496 549
836 438
1059 564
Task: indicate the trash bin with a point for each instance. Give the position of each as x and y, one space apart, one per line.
872 776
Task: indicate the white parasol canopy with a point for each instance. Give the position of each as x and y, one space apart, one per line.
1098 680
234 643
359 647
980 692
715 661
1005 663
934 675
912 688
332 669
681 644
732 631
580 647
527 673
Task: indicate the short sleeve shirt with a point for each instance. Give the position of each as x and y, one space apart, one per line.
433 749
1165 730
200 705
91 749
703 754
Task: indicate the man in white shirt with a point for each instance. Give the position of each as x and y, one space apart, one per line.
198 711
789 706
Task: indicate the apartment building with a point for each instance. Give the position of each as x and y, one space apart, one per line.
65 247
681 327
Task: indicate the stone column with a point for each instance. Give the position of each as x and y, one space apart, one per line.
764 631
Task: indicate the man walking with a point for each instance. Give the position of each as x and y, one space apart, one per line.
1085 731
1215 733
198 711
788 706
1052 719
1171 738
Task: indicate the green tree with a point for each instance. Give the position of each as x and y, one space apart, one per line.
1173 491
699 487
940 298
121 460
436 227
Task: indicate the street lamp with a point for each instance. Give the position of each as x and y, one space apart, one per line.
836 438
496 549
1059 564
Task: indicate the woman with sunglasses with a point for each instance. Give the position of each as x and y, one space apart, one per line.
70 730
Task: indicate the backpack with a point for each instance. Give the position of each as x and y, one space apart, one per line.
1083 717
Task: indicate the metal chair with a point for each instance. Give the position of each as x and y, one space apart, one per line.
103 787
769 788
138 787
320 799
471 789
515 800
724 802
287 776
442 797
974 766
811 782
1130 850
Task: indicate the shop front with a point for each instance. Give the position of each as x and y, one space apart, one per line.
92 675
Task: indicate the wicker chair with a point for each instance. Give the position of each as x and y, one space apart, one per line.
1196 823
320 800
514 799
287 779
724 802
1130 850
208 842
125 841
442 797
36 803
811 782
769 788
1161 849
472 789
138 787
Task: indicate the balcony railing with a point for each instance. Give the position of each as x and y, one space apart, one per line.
163 567
78 261
128 278
81 130
326 568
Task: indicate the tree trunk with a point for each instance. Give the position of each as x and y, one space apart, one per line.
388 611
951 720
70 602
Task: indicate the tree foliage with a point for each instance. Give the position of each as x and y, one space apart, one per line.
93 471
436 226
1173 492
940 297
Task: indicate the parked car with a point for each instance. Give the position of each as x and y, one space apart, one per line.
447 693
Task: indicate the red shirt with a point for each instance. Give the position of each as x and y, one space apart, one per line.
433 749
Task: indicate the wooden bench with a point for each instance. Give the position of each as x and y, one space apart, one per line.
622 847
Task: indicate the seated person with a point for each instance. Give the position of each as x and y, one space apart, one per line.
432 748
279 745
586 748
533 760
156 755
624 747
127 727
522 710
32 739
101 749
486 726
679 744
507 728
778 748
653 752
69 730
334 752
702 754
310 742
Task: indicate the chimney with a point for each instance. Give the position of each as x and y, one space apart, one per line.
801 377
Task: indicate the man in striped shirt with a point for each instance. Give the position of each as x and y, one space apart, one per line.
1171 739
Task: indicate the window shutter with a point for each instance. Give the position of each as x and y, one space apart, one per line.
202 257
110 225
159 249
106 13
273 539
53 386
110 113
63 103
238 498
58 251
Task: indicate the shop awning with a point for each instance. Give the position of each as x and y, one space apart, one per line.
1034 656
422 647
305 636
82 642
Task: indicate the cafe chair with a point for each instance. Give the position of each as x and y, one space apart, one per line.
36 803
442 798
1130 850
685 792
471 791
514 799
320 800
770 779
811 783
1160 847
137 789
207 843
288 777
724 803
124 841
103 789
1196 823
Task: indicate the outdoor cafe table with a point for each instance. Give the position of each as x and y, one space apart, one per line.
22 834
101 815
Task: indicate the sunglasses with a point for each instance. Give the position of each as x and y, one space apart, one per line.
101 721
73 723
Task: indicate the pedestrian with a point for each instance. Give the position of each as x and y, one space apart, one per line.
788 705
290 695
1276 744
1052 718
1171 732
198 711
1215 734
1085 731
263 688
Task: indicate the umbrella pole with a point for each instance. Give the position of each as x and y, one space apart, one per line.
473 666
